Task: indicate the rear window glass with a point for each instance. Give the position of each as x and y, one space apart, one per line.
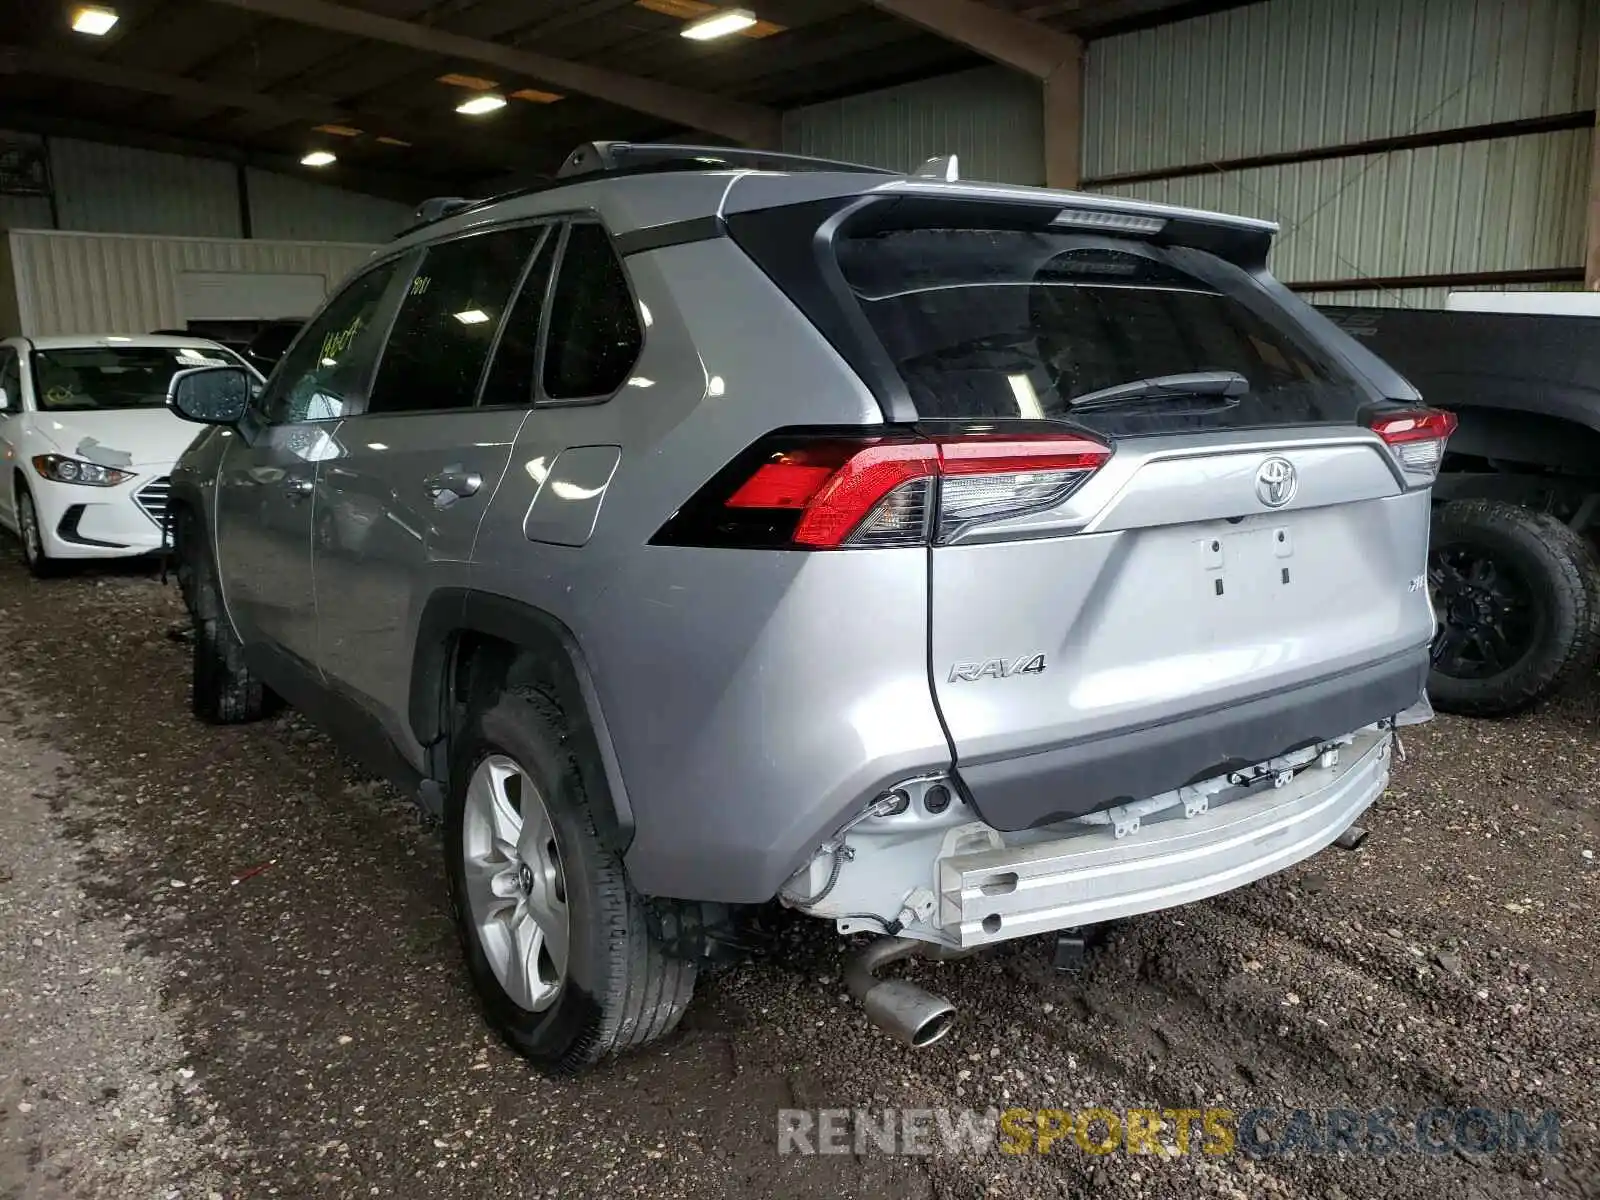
987 325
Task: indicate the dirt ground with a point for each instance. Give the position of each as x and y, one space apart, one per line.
227 970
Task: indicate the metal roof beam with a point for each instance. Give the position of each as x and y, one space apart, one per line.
1010 40
1050 56
277 109
749 124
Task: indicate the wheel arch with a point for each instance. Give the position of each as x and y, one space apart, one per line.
1545 439
469 642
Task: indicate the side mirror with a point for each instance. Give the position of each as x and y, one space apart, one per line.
211 395
5 401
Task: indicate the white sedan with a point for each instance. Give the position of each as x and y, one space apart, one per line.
87 441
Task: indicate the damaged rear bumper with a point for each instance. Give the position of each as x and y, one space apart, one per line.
996 894
953 879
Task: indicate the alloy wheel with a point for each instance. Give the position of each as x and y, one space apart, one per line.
1488 621
28 519
514 882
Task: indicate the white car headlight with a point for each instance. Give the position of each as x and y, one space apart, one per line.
73 470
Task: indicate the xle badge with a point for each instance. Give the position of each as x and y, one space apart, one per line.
996 668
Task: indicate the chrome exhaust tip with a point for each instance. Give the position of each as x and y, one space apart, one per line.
911 1014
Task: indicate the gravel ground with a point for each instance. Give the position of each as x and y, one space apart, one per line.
226 968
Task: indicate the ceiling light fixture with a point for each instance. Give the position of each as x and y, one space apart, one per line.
719 24
94 21
478 105
319 158
476 83
472 316
344 131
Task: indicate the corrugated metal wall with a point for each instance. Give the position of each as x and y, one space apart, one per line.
101 188
282 206
25 212
991 118
1424 297
1503 205
111 283
118 189
1295 75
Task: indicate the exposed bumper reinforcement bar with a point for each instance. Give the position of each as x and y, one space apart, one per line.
1039 887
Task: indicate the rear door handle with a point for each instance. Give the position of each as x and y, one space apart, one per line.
297 488
452 484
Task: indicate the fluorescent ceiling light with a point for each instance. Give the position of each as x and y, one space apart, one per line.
96 22
719 24
319 158
479 105
472 316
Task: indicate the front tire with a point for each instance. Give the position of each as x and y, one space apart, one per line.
570 964
223 690
1518 601
31 536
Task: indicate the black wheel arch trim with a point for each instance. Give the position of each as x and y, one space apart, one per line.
451 612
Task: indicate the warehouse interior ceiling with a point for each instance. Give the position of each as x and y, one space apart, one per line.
377 83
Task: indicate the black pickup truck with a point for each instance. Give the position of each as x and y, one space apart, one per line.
1513 562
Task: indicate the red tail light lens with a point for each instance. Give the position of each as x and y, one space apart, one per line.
864 480
1417 436
1414 425
838 492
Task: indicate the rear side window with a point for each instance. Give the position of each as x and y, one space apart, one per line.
986 325
448 320
594 336
516 356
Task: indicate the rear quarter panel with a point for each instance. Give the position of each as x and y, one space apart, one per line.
754 698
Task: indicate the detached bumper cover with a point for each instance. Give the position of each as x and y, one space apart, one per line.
1042 886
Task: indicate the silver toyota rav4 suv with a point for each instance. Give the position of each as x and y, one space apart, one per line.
953 562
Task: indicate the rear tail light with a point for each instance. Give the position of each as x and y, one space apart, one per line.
1417 437
824 492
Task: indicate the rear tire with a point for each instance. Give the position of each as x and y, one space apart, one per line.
223 690
1517 594
629 965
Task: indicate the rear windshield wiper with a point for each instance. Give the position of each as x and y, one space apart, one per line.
1227 386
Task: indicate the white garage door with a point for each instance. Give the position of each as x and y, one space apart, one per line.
247 296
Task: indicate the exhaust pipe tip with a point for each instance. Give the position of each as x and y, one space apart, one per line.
912 1014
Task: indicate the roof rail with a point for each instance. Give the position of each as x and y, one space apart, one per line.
608 158
638 158
440 207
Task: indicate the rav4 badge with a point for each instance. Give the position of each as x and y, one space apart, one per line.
996 668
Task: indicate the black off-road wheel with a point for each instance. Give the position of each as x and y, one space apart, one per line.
570 964
1517 595
223 690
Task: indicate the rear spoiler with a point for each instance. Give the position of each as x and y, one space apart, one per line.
866 204
1243 241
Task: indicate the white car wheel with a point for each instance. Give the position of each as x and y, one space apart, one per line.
33 552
